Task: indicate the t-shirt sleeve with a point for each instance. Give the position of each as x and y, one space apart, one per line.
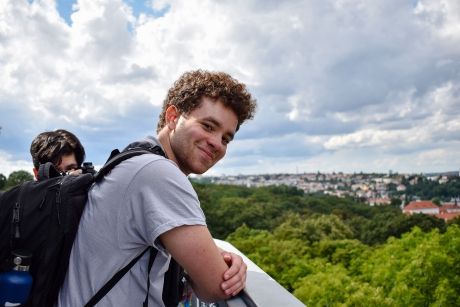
160 197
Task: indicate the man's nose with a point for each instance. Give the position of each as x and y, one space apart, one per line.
216 143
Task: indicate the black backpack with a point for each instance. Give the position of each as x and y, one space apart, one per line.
42 217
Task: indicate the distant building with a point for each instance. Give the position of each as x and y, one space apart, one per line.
421 206
359 186
379 201
443 180
448 216
446 211
450 208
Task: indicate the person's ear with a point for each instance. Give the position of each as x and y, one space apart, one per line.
171 116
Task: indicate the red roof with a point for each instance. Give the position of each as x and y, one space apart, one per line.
448 216
450 208
420 204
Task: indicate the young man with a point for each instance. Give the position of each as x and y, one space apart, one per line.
60 147
149 201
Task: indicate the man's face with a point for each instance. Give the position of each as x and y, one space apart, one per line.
68 163
199 139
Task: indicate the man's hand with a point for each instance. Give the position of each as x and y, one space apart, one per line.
235 276
75 172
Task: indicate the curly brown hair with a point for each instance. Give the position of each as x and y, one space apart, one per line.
187 91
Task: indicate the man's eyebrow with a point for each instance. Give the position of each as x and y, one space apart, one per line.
216 123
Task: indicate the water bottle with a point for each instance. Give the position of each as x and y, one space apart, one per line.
15 285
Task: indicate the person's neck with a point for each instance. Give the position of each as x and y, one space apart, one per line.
163 138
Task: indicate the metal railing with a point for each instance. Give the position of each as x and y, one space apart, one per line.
261 289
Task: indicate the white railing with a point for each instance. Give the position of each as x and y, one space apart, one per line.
261 290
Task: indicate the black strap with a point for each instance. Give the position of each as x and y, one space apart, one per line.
117 157
113 281
46 171
155 149
153 254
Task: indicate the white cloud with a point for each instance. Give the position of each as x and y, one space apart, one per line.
9 164
442 15
344 77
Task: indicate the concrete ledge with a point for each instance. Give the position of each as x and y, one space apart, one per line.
261 289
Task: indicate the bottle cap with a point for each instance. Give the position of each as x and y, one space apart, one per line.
21 257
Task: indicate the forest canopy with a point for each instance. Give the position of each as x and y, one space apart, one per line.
331 251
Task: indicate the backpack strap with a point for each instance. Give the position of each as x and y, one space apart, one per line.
116 278
116 157
153 254
46 171
147 146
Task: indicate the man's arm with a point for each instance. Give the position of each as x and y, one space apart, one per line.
195 250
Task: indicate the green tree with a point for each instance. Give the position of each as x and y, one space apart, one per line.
326 287
425 222
414 270
396 202
455 221
2 181
313 229
18 177
331 285
342 252
436 201
285 260
393 224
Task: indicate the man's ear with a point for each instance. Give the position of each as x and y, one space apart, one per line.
171 116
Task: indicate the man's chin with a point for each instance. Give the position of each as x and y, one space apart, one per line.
201 169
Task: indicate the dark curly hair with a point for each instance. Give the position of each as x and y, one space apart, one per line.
50 146
187 91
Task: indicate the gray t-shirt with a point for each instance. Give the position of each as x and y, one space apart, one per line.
139 200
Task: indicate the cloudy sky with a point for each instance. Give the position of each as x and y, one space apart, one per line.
341 85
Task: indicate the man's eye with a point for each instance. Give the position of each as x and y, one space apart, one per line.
207 127
72 167
225 141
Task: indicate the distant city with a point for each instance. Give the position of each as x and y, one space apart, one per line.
373 188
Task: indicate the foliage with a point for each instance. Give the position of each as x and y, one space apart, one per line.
420 269
343 252
337 252
285 259
313 229
429 189
227 207
454 221
2 181
333 286
393 224
17 177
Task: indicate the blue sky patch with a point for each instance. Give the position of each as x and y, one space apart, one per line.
64 8
145 6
